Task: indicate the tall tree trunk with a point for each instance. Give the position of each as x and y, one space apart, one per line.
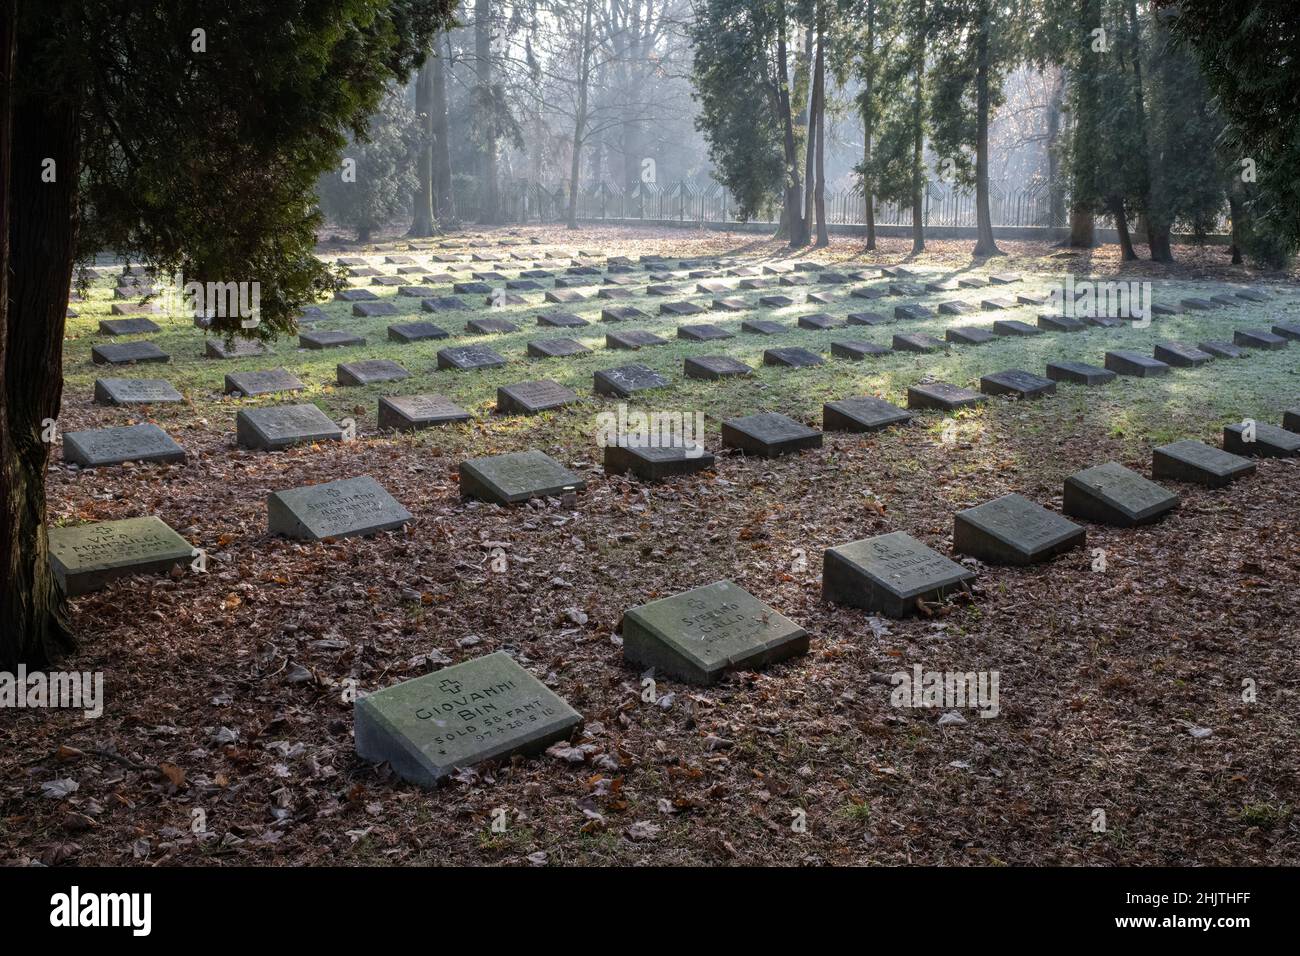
1116 204
810 153
444 203
1086 132
792 217
1055 185
984 244
918 136
40 234
819 126
489 206
1235 211
868 112
580 114
422 200
1157 223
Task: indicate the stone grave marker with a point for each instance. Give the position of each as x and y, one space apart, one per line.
563 296
632 339
1031 298
311 314
128 326
523 285
1014 327
762 327
656 462
1291 419
868 292
1269 441
912 312
1102 321
1258 339
1004 278
281 426
411 292
889 574
1227 301
1017 382
662 290
1181 355
370 371
822 298
334 509
613 292
471 288
997 304
679 308
778 269
382 281
972 282
561 320
399 260
730 304
769 434
941 285
491 326
408 332
127 353
1252 295
1124 362
135 391
355 295
942 396
750 285
917 342
516 477
1113 495
86 557
713 367
622 313
625 380
329 340
267 382
413 412
468 357
1059 323
866 318
955 308
969 335
1221 349
699 635
529 398
1197 305
445 303
906 288
702 333
141 308
862 414
775 301
1013 530
1198 463
712 286
234 348
555 347
793 280
1288 330
100 447
792 357
1080 373
488 708
857 351
818 321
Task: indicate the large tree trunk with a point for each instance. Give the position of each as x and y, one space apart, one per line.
444 203
580 115
984 243
819 126
1235 211
792 215
810 127
1121 226
490 203
422 200
918 136
868 92
1055 186
1086 133
40 230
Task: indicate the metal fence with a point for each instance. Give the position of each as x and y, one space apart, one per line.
1018 206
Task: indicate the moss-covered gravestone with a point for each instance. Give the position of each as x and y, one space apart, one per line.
699 635
98 447
485 709
86 557
889 573
1013 530
516 477
1112 494
334 509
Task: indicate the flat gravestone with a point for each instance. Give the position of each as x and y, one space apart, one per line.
822 298
557 347
1015 327
1181 355
969 335
97 447
281 426
266 382
1260 440
86 557
1288 330
889 573
415 332
335 509
329 340
1031 298
713 367
128 326
680 308
792 357
1197 305
917 342
355 295
625 380
413 412
941 285
490 326
399 260
516 477
730 304
997 304
662 289
972 282
905 288
763 327
488 708
233 348
621 313
471 288
863 414
752 284
563 296
632 340
561 320
1079 373
702 333
467 357
865 318
141 308
1004 278
370 371
1124 362
445 303
1013 530
955 308
1114 495
775 301
793 280
1221 349
912 312
1101 321
370 310
699 635
769 434
818 321
127 353
135 391
1017 382
523 285
942 396
1258 339
1291 419
712 286
1198 463
656 462
857 351
1059 323
529 398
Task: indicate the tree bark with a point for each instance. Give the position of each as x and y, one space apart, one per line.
984 245
422 201
444 203
490 203
1082 230
918 136
868 92
40 232
580 114
1121 226
819 124
1055 188
792 217
1235 211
